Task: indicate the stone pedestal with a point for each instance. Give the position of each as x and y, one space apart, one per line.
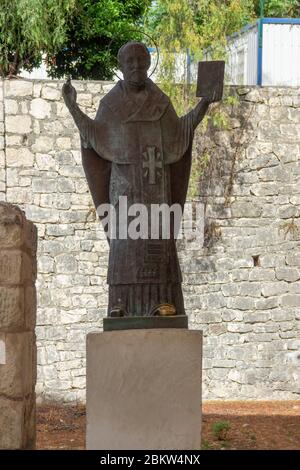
144 389
17 323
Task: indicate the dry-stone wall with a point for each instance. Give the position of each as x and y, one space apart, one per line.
242 287
17 322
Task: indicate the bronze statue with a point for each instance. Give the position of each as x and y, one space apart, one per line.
138 147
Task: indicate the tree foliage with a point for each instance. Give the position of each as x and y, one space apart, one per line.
193 26
216 20
202 24
80 38
95 34
279 8
28 28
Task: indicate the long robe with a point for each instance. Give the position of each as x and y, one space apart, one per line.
142 152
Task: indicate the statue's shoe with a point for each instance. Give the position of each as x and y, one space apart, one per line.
163 310
118 312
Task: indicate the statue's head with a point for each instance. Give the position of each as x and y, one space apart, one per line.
134 61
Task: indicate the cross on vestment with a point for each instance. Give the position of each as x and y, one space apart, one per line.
152 163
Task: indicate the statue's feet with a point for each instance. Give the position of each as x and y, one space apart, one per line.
163 310
118 312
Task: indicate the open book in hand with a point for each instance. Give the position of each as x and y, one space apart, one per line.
211 79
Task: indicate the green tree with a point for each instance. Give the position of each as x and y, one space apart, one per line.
94 36
181 26
178 24
28 28
193 26
278 8
199 25
80 38
216 20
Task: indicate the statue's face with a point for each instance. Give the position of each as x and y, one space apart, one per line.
135 64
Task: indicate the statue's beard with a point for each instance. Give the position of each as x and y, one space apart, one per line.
138 85
136 79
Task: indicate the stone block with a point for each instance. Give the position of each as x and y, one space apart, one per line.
11 308
37 87
268 131
18 124
262 274
288 274
145 393
264 304
18 88
241 303
11 226
11 423
245 209
3 164
271 260
71 171
53 128
13 140
18 372
44 185
23 194
17 423
290 132
43 144
64 185
46 162
66 264
274 288
42 215
60 230
30 307
40 109
277 173
15 230
64 143
11 106
11 267
290 300
264 189
52 94
283 315
256 317
19 157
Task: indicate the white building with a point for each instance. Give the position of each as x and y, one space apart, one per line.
266 53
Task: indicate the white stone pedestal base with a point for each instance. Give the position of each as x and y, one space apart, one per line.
144 389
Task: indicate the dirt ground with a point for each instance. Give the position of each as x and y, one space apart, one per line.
226 425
